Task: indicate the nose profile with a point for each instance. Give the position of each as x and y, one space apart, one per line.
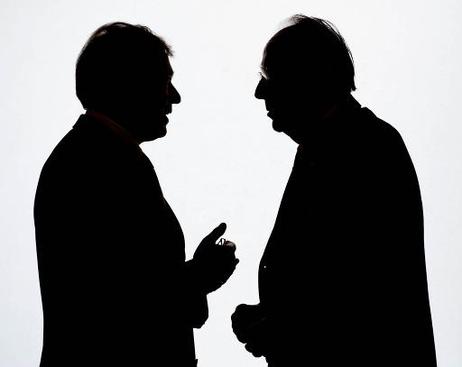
175 97
260 90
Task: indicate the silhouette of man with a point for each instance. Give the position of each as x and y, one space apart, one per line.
342 280
116 289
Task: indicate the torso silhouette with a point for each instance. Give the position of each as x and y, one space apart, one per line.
342 280
114 281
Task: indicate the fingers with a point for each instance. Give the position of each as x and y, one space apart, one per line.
227 266
242 308
239 328
213 236
240 334
227 273
246 317
230 245
226 270
246 314
255 349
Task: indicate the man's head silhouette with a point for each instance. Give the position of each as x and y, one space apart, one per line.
124 72
307 69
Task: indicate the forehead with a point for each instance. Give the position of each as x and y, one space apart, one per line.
272 56
279 50
271 63
264 64
168 67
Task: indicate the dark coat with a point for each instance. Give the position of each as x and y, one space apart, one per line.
116 289
342 280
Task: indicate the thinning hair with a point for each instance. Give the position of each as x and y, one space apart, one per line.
315 50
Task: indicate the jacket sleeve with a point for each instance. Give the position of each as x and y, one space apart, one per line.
197 311
400 234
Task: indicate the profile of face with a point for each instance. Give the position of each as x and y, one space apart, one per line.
148 99
293 103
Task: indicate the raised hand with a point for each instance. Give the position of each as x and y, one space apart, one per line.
214 263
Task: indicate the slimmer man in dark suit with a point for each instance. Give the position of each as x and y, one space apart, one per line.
116 289
342 280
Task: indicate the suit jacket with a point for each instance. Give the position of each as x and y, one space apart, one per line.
116 289
342 280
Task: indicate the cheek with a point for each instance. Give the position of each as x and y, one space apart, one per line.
283 96
283 104
149 104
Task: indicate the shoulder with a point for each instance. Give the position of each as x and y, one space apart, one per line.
91 143
374 137
88 155
384 150
376 128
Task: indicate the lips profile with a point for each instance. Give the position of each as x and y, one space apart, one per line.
270 114
166 119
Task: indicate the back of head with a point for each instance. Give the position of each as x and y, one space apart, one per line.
312 51
118 60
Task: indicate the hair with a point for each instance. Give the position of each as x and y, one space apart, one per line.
112 59
315 50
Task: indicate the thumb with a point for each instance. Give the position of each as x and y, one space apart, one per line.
213 236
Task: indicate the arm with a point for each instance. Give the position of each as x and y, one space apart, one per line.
407 296
194 296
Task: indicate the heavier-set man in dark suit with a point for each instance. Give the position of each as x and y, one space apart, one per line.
116 289
342 280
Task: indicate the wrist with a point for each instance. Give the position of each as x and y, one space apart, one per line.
196 276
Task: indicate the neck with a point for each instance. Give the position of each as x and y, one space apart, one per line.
321 129
114 125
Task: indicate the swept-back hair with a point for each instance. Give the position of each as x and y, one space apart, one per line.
112 58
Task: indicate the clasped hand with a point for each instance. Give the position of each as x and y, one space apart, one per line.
251 328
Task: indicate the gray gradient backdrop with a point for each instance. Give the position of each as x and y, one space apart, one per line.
221 161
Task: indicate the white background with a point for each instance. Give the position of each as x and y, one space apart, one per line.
221 161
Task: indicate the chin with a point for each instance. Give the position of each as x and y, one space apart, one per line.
278 126
162 132
154 134
161 127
